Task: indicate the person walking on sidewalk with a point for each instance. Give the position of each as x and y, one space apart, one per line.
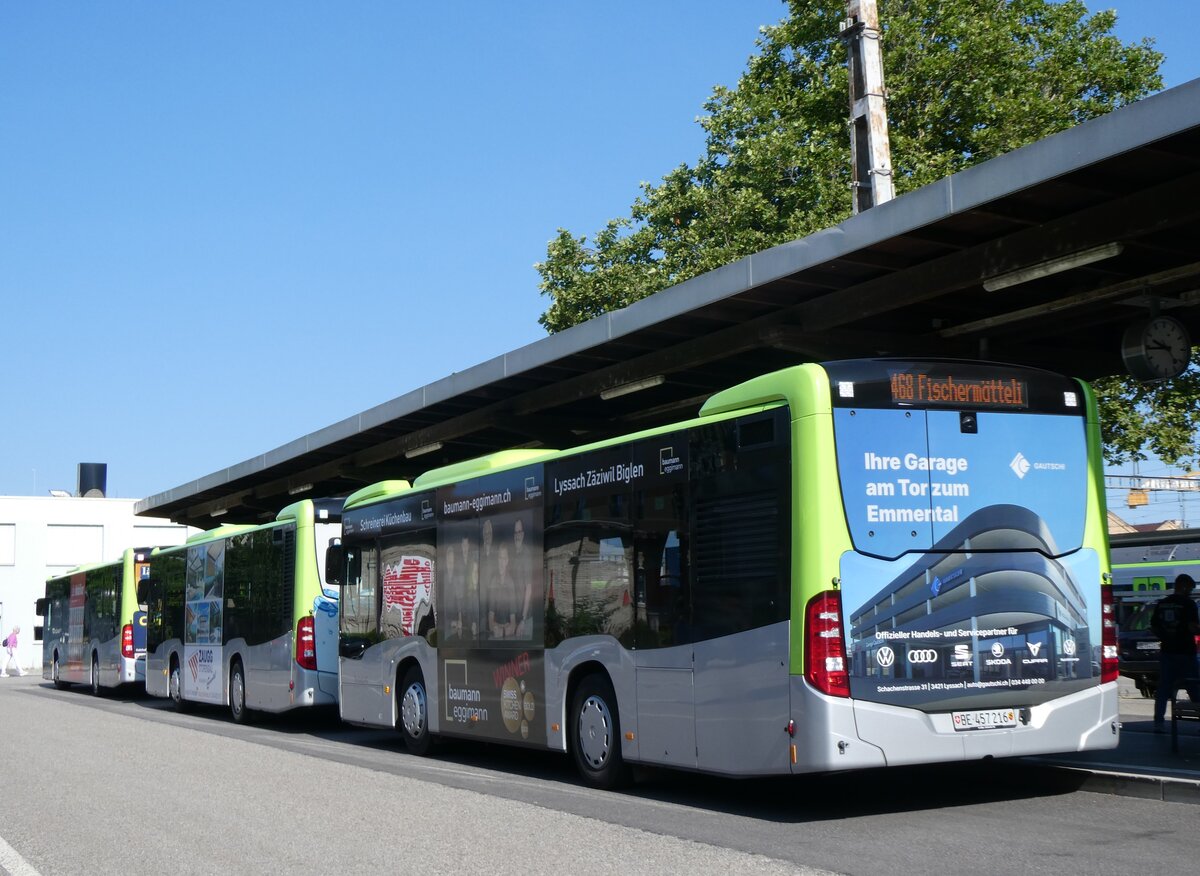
10 662
1176 623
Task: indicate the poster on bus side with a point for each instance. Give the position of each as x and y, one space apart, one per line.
203 654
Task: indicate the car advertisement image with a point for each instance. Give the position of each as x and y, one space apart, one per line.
995 613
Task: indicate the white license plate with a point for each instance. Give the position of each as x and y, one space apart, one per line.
1149 646
984 719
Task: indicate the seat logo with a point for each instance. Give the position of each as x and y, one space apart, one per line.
885 656
923 655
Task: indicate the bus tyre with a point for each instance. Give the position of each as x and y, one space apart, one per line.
95 679
414 713
237 694
596 734
55 673
175 687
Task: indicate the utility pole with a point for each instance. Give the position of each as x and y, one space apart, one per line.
869 147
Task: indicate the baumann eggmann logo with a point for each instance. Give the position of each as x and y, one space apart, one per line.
886 656
923 655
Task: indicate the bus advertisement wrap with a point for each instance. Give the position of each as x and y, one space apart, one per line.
203 654
494 694
968 584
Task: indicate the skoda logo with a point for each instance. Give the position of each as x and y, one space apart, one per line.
997 650
886 656
923 655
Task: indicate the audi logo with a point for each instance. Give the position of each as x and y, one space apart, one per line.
923 655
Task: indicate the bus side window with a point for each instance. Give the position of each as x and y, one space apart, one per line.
359 604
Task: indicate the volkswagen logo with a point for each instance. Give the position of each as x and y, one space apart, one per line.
923 655
886 656
997 650
1069 646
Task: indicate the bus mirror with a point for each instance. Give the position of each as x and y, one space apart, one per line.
37 634
335 557
40 607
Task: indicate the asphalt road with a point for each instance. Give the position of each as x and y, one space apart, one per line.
125 783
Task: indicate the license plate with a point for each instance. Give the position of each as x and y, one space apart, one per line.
984 719
1149 646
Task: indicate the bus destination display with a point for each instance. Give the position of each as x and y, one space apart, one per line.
992 392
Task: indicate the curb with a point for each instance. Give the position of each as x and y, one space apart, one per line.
1145 786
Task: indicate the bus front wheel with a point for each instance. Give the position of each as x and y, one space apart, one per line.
95 680
596 734
175 687
56 675
414 713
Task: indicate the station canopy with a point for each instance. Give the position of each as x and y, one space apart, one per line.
1040 257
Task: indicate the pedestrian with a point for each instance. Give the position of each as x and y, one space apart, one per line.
1176 623
10 646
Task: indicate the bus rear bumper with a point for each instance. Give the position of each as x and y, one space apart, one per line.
1087 720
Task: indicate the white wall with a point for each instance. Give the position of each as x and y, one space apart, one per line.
40 537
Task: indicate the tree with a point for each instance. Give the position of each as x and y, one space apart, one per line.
967 80
1160 417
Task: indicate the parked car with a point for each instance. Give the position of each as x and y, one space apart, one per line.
1138 649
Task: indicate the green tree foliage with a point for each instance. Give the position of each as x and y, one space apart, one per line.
1161 417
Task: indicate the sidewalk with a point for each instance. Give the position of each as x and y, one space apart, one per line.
1142 765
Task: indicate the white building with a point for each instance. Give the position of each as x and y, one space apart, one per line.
41 537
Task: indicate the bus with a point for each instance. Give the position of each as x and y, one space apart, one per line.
94 629
240 616
839 566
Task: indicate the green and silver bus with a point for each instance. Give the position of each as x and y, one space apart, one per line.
239 616
839 566
95 629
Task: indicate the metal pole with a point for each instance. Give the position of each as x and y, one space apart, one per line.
869 146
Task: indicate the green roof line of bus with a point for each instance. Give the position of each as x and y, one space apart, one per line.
481 465
375 491
221 532
764 390
298 511
86 567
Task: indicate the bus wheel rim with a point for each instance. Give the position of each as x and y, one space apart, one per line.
412 711
239 692
595 732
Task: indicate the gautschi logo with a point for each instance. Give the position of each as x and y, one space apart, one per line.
1020 465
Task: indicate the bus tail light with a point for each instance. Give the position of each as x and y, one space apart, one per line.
1108 636
306 643
127 641
824 645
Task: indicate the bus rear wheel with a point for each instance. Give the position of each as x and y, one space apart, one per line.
237 694
596 734
413 721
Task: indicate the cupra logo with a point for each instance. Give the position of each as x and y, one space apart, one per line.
1034 647
886 656
1020 465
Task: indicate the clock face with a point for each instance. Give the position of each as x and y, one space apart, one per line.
1156 348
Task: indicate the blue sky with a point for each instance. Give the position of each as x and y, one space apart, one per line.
224 226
